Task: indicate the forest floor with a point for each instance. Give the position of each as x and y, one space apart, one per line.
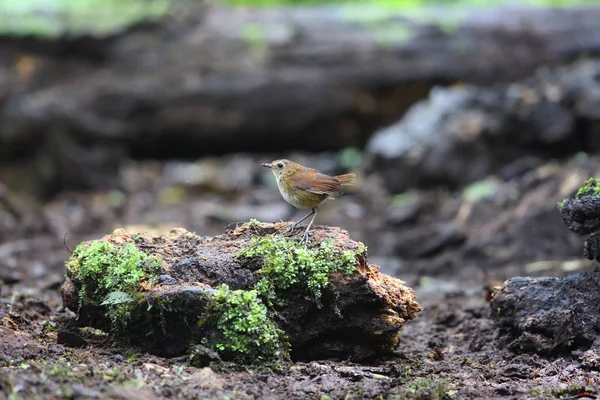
451 247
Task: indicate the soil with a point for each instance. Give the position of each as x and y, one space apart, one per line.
452 248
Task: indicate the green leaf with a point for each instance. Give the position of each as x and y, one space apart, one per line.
116 298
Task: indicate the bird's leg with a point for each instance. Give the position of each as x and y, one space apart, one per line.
307 231
295 224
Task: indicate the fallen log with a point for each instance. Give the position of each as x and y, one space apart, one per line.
250 294
216 80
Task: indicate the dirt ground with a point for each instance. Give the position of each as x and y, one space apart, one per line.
450 247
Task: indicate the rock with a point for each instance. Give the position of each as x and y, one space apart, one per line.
70 339
17 344
166 279
201 356
581 213
249 294
548 316
557 315
463 134
421 244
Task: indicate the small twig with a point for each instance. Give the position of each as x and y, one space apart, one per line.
65 242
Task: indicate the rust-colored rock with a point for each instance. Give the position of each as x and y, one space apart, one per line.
358 315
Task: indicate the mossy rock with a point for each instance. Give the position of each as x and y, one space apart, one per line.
581 214
591 187
251 294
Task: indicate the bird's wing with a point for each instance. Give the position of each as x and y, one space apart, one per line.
318 183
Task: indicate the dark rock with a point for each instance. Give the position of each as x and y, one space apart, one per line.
70 339
581 214
548 316
70 296
166 279
213 267
169 326
591 247
201 356
490 128
425 243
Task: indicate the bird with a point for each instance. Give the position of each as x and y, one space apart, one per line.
306 188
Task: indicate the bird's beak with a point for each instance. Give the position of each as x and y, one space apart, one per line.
268 165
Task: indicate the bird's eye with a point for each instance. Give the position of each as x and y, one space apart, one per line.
280 165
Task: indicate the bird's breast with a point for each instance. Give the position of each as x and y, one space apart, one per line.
299 198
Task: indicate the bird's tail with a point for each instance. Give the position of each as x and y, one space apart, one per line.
347 179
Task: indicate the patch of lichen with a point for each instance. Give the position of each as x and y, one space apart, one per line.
111 276
589 188
246 332
286 264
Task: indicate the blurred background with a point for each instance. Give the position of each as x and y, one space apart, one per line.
466 121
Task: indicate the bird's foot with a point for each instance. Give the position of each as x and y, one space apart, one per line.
290 229
305 237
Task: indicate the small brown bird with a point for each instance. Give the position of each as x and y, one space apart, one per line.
306 188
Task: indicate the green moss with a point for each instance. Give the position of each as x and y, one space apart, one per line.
425 388
254 223
287 265
561 204
590 187
243 317
560 393
111 275
480 190
247 331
